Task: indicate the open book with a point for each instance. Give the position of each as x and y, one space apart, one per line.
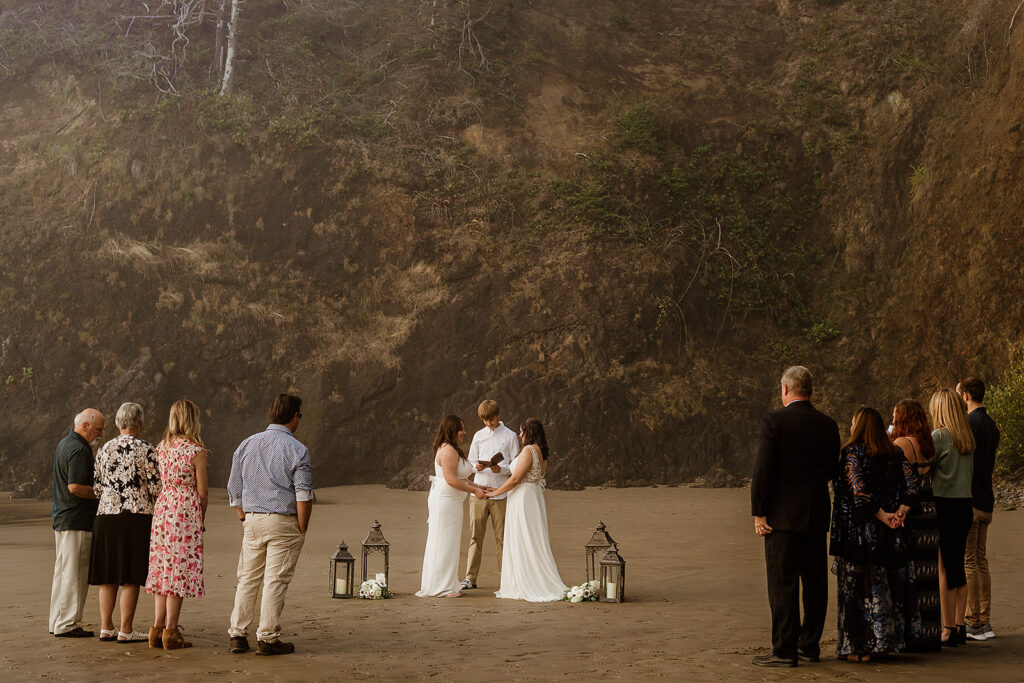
498 457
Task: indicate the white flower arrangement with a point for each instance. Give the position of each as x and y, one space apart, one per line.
375 588
585 592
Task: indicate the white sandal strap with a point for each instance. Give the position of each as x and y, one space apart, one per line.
107 632
133 637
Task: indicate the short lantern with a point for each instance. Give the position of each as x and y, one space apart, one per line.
612 586
596 547
376 554
343 573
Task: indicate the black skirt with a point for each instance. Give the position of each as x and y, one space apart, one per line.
955 517
120 549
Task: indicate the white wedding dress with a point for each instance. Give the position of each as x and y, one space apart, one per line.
444 533
528 570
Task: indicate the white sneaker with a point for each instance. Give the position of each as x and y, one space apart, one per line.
467 584
989 633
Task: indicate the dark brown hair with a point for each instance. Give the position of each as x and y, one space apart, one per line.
284 409
448 433
910 419
974 388
869 431
533 433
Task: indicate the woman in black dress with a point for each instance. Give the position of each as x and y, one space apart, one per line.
912 433
127 483
874 489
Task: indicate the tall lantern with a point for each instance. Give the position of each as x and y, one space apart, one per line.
343 573
376 554
596 547
612 586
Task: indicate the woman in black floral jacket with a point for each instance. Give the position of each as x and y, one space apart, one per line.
874 489
127 482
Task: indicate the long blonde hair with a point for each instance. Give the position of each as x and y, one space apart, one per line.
183 422
948 412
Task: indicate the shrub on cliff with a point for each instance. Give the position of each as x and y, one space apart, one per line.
1005 403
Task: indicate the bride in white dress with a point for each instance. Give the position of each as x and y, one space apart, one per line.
448 490
528 570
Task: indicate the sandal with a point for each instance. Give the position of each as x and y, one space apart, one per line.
951 639
453 594
858 658
133 637
174 639
108 634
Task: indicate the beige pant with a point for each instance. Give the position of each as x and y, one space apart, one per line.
979 581
479 511
70 579
270 550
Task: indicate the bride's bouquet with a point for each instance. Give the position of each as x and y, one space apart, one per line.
375 589
585 592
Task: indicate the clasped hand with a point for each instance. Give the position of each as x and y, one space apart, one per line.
893 520
482 492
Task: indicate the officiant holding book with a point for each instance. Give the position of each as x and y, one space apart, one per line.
490 454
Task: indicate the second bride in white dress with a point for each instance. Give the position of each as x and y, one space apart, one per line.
448 490
528 570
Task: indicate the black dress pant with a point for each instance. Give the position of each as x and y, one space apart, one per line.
795 558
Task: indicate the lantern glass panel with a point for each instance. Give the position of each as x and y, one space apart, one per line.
373 563
611 581
342 573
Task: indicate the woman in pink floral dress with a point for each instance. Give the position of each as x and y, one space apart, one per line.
176 541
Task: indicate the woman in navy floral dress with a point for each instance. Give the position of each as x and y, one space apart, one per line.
874 489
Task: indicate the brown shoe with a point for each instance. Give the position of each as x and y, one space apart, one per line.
155 636
275 648
174 640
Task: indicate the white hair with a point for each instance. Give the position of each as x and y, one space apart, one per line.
129 415
88 415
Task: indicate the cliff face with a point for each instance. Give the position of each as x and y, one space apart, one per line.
624 219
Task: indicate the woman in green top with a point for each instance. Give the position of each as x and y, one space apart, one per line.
951 484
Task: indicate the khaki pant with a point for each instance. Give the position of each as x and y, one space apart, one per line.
979 581
70 579
479 511
270 550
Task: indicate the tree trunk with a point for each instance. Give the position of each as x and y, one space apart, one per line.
227 85
218 49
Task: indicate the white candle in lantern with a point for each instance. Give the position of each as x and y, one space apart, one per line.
611 590
340 585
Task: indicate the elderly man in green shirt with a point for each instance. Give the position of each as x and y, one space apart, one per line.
74 510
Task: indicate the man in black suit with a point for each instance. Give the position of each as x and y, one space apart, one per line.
797 455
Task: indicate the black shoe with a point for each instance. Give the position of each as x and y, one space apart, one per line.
808 657
953 639
275 648
961 634
239 645
773 660
76 632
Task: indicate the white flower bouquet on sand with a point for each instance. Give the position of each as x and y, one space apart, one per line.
375 589
585 592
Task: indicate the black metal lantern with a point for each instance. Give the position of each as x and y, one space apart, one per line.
596 547
612 586
376 554
343 573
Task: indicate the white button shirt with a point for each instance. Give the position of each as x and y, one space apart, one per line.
486 444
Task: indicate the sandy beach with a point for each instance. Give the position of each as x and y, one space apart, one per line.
697 607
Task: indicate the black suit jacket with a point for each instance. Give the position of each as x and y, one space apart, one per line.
797 455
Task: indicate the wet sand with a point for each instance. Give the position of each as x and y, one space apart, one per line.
697 607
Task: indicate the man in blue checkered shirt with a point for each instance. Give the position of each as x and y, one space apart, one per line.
271 489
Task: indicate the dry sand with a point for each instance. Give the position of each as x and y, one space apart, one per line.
695 582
